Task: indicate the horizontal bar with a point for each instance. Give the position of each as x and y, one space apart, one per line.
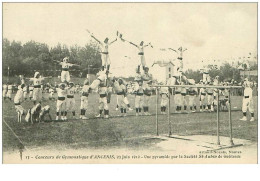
200 86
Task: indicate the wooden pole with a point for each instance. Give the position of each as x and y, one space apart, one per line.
169 114
157 132
218 140
8 74
230 120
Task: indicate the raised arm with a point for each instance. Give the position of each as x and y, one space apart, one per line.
172 49
71 64
133 44
113 42
92 35
56 61
129 42
95 39
149 44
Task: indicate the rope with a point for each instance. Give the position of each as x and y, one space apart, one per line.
15 135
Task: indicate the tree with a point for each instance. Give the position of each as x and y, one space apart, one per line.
193 74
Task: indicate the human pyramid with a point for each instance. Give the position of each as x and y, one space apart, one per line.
106 83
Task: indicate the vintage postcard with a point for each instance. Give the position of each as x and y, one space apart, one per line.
129 83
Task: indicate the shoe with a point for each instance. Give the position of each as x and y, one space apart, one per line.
193 111
83 117
125 115
106 117
62 118
201 110
98 116
252 119
65 118
130 109
74 117
57 118
116 109
136 114
243 118
148 114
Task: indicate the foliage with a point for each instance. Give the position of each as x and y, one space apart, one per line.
34 56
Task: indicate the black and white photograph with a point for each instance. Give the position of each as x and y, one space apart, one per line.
119 83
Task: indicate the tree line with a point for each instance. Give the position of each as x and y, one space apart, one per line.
34 56
226 73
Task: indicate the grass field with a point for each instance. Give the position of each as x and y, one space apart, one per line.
117 132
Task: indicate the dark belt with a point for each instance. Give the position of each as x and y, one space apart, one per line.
105 53
139 94
9 89
177 92
141 53
147 94
85 94
210 93
205 73
183 94
203 94
65 69
70 96
246 97
17 104
226 96
61 98
120 93
37 86
102 95
191 94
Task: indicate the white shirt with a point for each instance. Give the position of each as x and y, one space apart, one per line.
5 87
18 98
10 87
202 91
164 90
71 91
37 81
248 92
141 49
104 47
61 93
85 90
102 75
25 89
65 65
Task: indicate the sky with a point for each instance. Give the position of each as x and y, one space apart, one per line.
209 31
